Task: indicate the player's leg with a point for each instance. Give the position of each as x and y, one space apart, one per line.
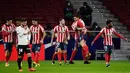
85 52
59 53
55 53
20 52
60 56
53 57
8 51
74 52
107 55
33 50
65 56
36 54
64 52
28 52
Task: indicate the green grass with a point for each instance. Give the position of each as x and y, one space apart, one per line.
78 67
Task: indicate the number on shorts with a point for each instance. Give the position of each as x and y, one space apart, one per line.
20 50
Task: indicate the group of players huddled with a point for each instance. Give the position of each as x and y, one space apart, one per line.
23 35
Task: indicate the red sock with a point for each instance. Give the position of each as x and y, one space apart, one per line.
85 49
53 57
73 55
7 58
34 57
37 57
65 57
83 54
59 56
107 57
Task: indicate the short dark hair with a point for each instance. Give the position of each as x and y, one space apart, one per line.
61 18
9 18
17 19
23 19
108 22
85 3
34 19
77 15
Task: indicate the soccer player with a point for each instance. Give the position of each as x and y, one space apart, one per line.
37 30
18 23
108 31
7 31
23 34
56 52
80 30
63 36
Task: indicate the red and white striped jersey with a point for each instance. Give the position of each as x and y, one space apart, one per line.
62 33
7 32
36 33
108 32
80 24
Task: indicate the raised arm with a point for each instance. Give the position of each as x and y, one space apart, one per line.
101 32
118 35
43 32
4 31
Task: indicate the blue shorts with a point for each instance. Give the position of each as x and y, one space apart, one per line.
8 46
108 49
36 47
62 46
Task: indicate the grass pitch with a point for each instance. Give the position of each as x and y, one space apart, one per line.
78 67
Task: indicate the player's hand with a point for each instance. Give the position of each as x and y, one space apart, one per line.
92 43
68 38
51 43
26 32
28 41
126 39
41 41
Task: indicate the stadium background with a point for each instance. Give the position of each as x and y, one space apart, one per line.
48 11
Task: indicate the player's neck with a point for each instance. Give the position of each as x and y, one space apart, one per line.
7 24
35 25
108 27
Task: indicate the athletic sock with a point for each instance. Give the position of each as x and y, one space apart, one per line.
29 62
59 57
73 55
19 60
65 57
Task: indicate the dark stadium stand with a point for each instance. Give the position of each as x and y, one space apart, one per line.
46 11
120 8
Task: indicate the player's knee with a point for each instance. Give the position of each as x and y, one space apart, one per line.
75 49
82 43
36 51
29 55
64 51
55 52
59 50
19 56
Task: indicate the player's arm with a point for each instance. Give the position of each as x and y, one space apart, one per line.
21 33
101 32
44 33
14 28
53 35
73 26
80 28
120 36
5 32
29 34
68 34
